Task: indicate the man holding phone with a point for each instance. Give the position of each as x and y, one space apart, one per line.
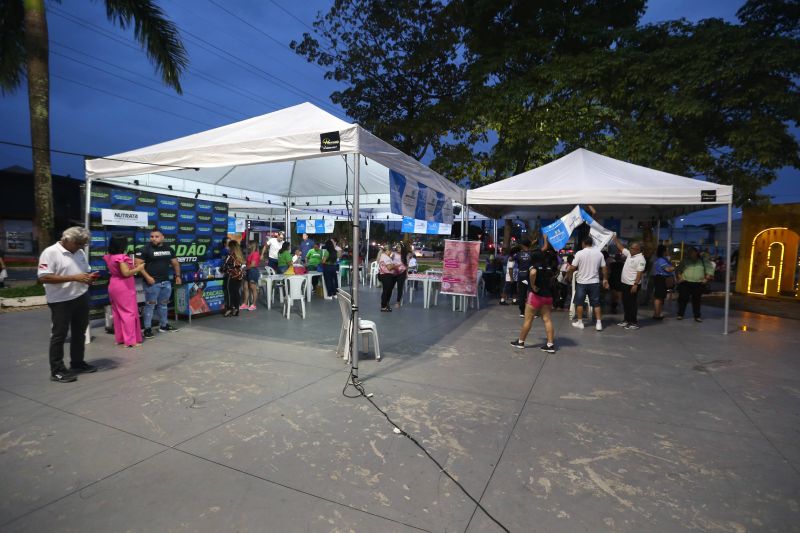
157 259
64 272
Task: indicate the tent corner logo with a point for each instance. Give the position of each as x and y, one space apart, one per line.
329 142
708 196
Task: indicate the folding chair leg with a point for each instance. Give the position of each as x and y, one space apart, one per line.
377 345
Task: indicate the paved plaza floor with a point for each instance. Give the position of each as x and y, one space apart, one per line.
239 424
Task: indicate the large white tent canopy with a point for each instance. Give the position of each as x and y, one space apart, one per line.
584 177
277 155
301 157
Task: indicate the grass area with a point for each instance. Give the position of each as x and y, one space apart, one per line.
20 262
22 291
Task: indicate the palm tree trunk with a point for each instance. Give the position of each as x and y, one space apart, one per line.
36 44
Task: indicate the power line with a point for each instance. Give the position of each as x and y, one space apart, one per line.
165 93
120 40
238 90
275 80
130 100
245 22
298 19
142 76
276 4
88 156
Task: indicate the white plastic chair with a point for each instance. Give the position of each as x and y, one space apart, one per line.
295 291
373 274
276 286
365 329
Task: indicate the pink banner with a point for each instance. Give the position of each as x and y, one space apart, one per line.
460 272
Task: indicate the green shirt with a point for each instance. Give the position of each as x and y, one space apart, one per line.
695 271
313 257
285 259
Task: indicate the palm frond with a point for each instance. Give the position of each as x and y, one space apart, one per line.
157 35
12 44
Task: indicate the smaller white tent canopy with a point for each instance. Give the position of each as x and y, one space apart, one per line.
622 189
584 177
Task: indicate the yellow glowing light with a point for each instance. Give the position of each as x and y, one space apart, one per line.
769 253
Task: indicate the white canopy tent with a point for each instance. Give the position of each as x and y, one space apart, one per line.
300 156
616 187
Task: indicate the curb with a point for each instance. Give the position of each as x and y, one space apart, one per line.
28 301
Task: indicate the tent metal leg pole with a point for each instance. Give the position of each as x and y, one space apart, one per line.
288 229
465 237
356 228
366 255
728 272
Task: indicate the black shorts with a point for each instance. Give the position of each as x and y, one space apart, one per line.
659 287
253 274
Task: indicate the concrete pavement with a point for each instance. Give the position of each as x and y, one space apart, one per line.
239 424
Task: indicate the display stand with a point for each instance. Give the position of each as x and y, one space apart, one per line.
198 297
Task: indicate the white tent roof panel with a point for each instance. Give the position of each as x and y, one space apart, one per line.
584 177
277 154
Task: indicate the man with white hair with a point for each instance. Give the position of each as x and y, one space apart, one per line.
632 272
64 272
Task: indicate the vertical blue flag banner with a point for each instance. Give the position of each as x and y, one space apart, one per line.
412 199
559 232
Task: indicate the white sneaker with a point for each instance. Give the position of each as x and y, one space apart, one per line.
578 324
599 326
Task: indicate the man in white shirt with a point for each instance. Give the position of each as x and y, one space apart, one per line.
632 272
586 268
272 249
64 272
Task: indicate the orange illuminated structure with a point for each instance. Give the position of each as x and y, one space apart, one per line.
770 242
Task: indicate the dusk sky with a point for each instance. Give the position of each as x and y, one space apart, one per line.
106 97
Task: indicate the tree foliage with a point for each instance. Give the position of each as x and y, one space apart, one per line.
400 62
496 87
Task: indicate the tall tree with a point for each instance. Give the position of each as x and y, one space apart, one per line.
711 99
400 61
24 52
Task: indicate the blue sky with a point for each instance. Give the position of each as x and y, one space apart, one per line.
106 97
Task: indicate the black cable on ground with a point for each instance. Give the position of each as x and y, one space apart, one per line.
351 382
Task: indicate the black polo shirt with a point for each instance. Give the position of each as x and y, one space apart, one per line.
157 260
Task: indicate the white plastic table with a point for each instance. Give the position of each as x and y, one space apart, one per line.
268 280
427 282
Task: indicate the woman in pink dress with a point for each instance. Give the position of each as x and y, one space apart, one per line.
122 293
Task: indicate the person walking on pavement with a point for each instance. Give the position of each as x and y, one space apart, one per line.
64 272
544 266
586 266
632 272
157 259
522 260
693 273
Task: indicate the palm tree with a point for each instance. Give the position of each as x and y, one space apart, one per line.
24 51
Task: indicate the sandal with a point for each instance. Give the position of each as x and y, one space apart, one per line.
227 313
